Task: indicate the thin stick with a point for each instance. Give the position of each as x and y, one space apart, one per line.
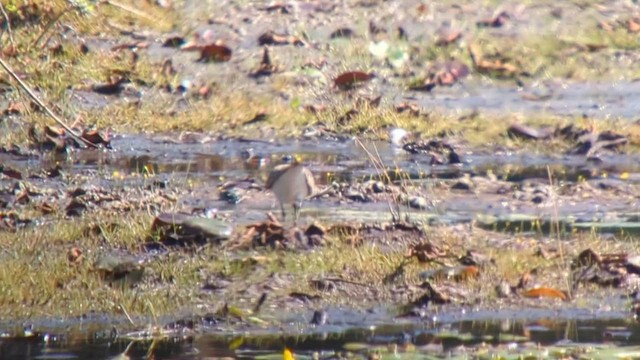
379 165
127 315
129 9
6 19
42 105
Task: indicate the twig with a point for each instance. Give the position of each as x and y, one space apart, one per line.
6 19
379 166
127 315
129 9
42 105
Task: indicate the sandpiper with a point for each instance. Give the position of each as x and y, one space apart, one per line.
291 183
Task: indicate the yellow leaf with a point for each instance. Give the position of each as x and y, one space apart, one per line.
288 354
624 176
236 343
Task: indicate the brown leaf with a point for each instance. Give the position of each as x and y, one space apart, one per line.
342 33
426 252
14 108
74 256
96 137
315 109
271 38
281 8
10 51
427 85
131 46
411 108
215 53
259 117
112 88
10 173
47 208
350 79
54 131
546 292
174 41
448 37
496 21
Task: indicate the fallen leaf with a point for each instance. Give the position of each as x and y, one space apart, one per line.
10 173
281 8
259 117
351 79
215 53
342 33
74 256
14 108
175 41
271 38
546 292
97 138
411 108
496 21
131 46
448 37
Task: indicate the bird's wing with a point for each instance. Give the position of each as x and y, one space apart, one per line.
275 175
310 181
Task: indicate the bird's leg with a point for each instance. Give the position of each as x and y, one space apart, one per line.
284 214
296 212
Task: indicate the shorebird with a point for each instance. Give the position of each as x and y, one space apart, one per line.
291 183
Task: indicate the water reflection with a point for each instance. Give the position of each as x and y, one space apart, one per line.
437 340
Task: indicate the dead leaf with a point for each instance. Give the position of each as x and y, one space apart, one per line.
10 173
351 79
484 66
315 109
259 117
342 33
496 21
215 52
14 108
75 256
426 252
281 8
112 88
96 137
448 37
271 38
546 292
131 46
411 108
175 41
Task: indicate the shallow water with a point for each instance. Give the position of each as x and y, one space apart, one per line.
418 340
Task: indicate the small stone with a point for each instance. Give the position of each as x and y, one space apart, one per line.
504 290
378 187
319 317
418 202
